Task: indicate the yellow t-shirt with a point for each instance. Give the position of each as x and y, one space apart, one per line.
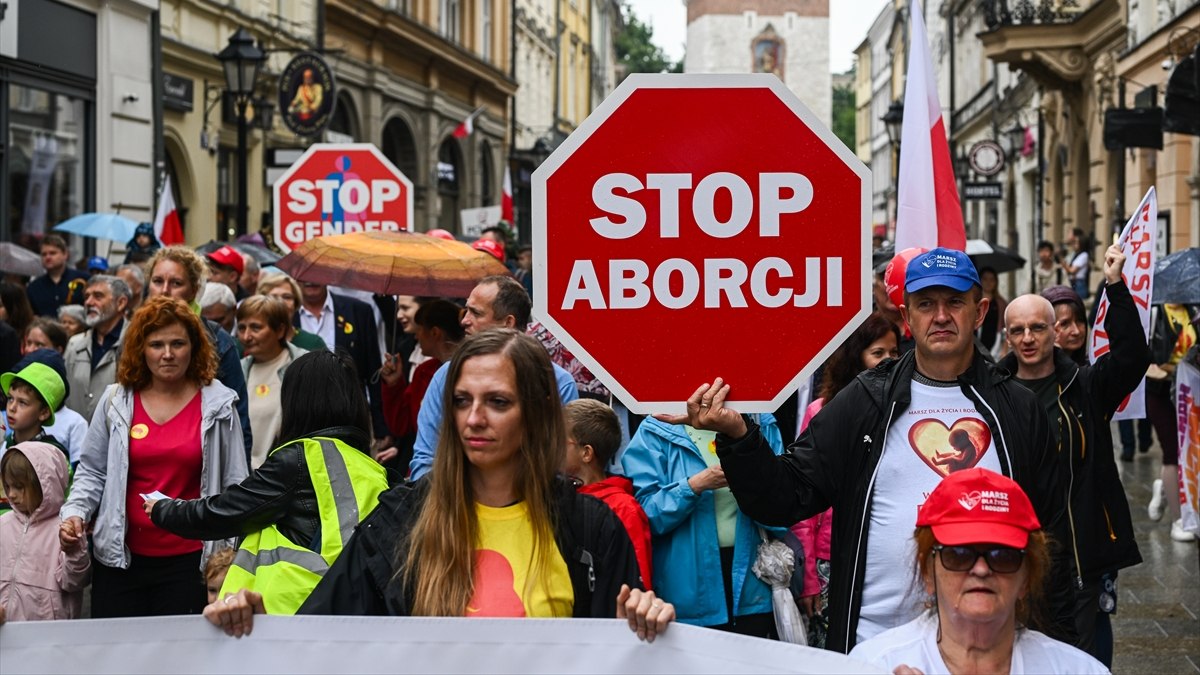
503 563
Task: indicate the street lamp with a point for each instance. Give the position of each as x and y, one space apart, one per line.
893 119
1016 140
241 59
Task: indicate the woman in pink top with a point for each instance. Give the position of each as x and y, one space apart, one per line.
875 340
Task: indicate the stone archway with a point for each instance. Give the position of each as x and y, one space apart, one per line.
450 183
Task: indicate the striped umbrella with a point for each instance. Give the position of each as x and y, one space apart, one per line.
391 263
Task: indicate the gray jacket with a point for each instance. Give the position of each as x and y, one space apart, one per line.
87 384
99 489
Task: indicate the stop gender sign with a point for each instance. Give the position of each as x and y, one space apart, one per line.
697 226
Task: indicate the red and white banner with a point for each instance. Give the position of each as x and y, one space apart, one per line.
1137 243
1187 386
928 213
166 222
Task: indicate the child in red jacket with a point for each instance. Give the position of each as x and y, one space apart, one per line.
593 436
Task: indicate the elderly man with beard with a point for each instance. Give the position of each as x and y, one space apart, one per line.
92 355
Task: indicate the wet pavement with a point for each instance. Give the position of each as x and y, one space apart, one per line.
1156 629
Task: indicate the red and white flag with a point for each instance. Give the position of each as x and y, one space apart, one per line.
1137 243
467 126
166 221
928 213
506 203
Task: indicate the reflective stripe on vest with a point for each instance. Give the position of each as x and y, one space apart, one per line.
347 484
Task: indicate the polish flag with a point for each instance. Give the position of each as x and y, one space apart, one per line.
467 126
506 203
166 221
928 212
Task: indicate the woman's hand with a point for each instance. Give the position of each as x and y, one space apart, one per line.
234 613
712 478
70 533
148 507
810 604
706 410
648 615
391 373
1114 263
387 455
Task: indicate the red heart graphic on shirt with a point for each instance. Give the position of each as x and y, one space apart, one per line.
949 449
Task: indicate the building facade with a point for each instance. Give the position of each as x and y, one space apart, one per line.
77 91
789 38
407 74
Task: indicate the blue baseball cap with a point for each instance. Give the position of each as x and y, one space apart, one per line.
97 264
941 267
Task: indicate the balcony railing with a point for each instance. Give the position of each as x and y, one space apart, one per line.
1001 13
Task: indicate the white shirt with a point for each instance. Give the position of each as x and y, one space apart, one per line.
324 326
939 433
915 645
1080 264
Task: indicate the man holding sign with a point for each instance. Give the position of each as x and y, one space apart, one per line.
1080 401
876 451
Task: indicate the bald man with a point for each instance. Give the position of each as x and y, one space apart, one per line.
1080 401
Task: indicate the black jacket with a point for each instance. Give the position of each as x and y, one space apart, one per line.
364 580
280 493
1099 528
834 463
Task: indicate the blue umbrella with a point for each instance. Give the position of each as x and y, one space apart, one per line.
1175 278
112 226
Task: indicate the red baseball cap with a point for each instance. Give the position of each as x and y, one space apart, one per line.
441 234
977 506
489 246
228 256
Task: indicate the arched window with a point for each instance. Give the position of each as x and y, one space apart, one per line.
400 146
487 189
345 117
449 163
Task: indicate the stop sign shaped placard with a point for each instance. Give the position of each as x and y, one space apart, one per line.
338 189
698 226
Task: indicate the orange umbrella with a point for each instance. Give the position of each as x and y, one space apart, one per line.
391 263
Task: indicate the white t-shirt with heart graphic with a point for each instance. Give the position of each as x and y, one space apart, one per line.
941 432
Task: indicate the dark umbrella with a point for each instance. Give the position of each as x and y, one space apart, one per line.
997 257
1177 278
262 255
881 256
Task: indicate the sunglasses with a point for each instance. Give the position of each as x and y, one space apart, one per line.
1000 559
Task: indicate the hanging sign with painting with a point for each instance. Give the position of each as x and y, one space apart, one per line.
307 93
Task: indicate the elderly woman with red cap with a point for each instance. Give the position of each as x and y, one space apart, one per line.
981 560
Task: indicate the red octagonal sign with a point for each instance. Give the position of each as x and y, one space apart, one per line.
338 189
702 225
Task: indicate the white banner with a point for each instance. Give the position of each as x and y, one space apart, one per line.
325 644
37 194
474 220
1187 386
1137 243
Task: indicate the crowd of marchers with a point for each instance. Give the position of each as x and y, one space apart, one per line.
192 433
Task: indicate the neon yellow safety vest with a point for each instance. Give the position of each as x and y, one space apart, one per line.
347 484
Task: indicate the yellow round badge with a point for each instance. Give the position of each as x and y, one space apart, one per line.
139 431
262 390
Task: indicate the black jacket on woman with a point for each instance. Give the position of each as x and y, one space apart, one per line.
279 493
1099 528
834 463
364 580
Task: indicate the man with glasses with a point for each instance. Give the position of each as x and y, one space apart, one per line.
1080 401
881 446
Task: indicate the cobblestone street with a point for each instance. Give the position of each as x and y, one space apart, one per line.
1156 628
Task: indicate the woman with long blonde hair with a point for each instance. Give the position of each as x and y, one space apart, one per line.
493 531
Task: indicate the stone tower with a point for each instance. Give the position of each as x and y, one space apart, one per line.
789 38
